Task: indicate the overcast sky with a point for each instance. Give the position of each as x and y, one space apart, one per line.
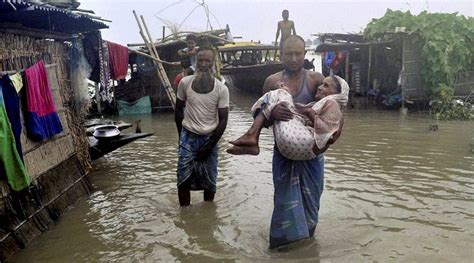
256 19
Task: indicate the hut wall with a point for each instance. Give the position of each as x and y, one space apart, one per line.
54 165
412 81
465 85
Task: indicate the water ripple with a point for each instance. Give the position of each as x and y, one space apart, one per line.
393 192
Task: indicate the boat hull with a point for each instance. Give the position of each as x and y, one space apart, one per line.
98 148
250 78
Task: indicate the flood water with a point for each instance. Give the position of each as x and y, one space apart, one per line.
394 191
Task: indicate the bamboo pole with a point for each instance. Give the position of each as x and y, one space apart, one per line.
150 39
153 58
160 70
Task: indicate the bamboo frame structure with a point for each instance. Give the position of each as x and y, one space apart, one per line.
159 66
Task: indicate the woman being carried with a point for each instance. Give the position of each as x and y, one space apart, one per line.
307 133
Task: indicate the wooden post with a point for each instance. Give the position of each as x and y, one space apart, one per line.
346 70
403 110
164 28
370 67
97 97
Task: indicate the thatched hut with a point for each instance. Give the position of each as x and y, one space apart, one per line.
58 166
376 68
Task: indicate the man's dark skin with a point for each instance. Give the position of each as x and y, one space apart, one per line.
205 62
293 60
286 27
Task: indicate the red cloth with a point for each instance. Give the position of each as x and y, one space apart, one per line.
338 60
178 79
118 60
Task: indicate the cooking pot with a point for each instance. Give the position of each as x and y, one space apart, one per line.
106 132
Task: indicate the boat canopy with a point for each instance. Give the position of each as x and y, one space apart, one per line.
246 46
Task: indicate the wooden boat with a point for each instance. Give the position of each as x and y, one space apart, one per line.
99 148
111 138
144 80
246 65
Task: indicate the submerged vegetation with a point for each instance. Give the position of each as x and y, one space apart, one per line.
446 44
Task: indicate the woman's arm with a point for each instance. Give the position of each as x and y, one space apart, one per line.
337 134
329 121
308 112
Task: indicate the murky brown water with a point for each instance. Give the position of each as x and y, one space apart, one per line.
394 192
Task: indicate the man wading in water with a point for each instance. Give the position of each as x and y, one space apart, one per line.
298 184
200 127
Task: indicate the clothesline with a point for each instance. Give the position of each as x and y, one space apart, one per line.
11 72
151 57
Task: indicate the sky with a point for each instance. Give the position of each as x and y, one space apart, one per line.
255 20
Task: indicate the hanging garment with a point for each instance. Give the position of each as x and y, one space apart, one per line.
329 58
17 81
80 72
14 169
104 89
140 106
42 121
104 63
12 106
118 56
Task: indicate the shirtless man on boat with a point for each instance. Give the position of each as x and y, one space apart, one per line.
286 27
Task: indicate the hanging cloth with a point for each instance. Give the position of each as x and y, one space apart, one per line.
12 106
104 90
14 169
118 56
17 81
42 121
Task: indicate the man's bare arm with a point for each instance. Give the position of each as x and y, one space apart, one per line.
179 114
206 149
293 28
280 112
337 134
278 33
188 53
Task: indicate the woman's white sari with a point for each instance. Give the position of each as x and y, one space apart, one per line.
294 139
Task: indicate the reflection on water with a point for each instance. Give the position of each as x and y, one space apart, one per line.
394 192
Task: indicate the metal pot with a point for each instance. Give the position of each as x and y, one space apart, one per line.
106 132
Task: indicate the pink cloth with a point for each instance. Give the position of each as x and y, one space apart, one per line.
38 92
42 120
118 58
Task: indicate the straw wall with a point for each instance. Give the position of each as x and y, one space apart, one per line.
56 165
19 52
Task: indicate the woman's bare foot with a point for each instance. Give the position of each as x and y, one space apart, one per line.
245 149
246 140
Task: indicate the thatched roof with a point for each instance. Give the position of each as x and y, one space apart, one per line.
46 17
